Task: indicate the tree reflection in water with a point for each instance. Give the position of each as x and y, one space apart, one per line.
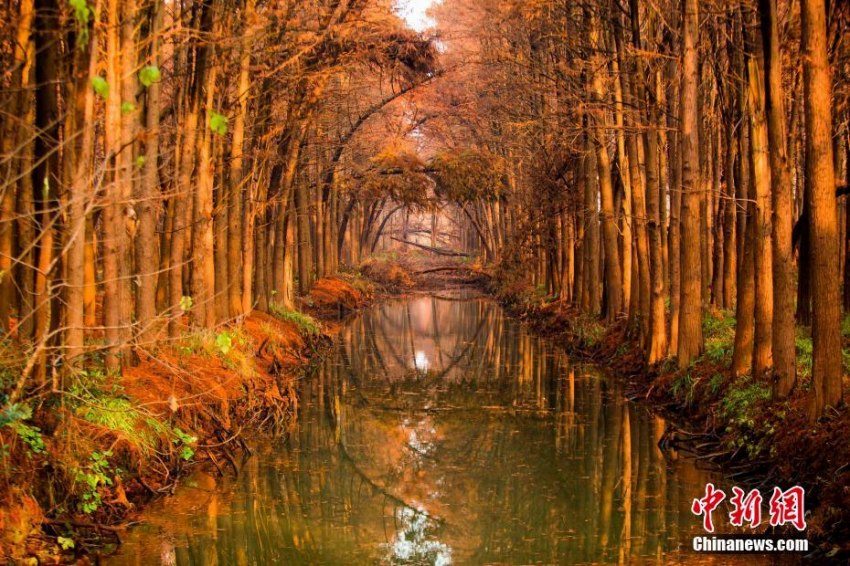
442 432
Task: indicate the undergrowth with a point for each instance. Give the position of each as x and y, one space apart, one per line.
306 324
718 327
232 346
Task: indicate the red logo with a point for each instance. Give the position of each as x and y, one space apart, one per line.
785 507
746 508
707 504
788 507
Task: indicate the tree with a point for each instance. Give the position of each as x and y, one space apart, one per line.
690 340
823 219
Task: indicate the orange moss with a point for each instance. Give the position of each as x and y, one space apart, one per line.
333 295
21 518
389 274
202 388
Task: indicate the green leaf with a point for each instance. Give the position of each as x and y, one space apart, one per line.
149 75
224 343
82 14
140 161
185 303
218 123
100 86
65 542
127 108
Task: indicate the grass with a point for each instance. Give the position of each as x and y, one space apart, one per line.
358 281
682 389
803 342
118 415
736 406
100 400
232 346
591 332
738 409
718 327
306 324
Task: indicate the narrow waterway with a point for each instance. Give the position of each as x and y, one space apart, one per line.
440 431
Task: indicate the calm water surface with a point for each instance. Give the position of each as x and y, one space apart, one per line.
441 432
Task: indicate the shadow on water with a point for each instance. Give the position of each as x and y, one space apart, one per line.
441 432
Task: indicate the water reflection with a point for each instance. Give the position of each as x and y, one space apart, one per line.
441 432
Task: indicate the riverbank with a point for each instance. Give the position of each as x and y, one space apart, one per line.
732 423
77 468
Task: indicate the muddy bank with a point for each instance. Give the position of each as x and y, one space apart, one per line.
77 470
731 421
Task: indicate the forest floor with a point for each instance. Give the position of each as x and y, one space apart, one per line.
731 421
77 469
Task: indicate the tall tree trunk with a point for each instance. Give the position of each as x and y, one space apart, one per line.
148 201
690 342
12 133
730 213
760 165
80 198
305 244
203 265
784 351
180 233
236 185
823 220
613 276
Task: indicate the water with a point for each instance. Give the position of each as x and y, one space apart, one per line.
442 432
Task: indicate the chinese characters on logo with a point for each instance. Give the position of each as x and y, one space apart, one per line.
785 507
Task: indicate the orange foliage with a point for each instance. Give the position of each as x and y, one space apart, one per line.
333 295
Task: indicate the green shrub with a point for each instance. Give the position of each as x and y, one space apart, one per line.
100 400
803 343
119 415
93 477
13 417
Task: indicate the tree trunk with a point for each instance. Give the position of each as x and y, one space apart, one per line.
613 276
760 166
823 220
690 342
784 351
79 198
148 201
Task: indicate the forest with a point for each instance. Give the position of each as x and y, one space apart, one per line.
190 186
